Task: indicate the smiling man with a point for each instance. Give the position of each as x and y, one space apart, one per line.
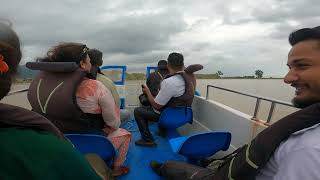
298 157
289 148
304 65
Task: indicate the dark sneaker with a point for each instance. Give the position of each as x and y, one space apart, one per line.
142 142
162 134
155 166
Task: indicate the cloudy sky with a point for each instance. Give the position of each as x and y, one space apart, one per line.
234 36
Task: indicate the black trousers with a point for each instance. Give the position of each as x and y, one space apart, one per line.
142 116
174 170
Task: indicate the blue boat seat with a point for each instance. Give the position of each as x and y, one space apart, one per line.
92 143
201 145
174 117
197 93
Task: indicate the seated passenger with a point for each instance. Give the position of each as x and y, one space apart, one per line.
31 146
65 92
290 147
96 61
154 80
177 89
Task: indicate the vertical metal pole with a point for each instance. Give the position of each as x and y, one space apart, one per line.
207 95
271 112
256 109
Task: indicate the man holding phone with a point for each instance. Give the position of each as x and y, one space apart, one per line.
176 90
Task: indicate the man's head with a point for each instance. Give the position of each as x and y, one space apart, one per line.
162 65
304 66
96 57
175 62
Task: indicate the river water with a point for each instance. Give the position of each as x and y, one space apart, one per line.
272 88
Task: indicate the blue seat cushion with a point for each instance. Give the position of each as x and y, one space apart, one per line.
201 145
91 143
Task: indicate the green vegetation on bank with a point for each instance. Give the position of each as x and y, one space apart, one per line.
208 76
135 76
141 76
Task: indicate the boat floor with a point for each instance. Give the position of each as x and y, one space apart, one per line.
138 158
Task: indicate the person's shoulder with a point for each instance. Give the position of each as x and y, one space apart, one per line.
305 139
309 137
89 85
176 78
89 82
103 77
105 82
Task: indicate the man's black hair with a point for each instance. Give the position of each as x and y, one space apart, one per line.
95 57
175 60
304 34
162 65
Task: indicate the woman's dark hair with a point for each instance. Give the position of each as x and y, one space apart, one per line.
66 52
95 57
304 34
10 50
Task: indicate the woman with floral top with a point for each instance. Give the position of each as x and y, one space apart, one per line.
94 98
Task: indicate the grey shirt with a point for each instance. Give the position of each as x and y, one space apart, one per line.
297 158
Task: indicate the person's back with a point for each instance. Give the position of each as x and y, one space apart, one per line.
96 61
30 154
49 91
31 146
155 78
176 89
173 86
87 97
109 84
93 97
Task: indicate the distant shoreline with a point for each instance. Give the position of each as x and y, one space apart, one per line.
25 81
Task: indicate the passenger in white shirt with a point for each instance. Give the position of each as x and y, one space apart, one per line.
173 86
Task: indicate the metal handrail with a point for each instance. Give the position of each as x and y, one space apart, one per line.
17 92
259 98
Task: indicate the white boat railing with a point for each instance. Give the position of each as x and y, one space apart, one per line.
258 100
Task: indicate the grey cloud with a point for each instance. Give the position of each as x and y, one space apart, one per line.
139 33
287 10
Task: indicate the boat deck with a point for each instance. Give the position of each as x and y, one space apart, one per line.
138 158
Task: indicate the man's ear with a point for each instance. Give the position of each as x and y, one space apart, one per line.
82 64
168 67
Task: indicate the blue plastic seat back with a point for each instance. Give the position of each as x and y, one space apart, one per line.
197 93
174 117
91 143
205 144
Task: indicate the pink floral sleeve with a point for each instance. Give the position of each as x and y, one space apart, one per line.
93 97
